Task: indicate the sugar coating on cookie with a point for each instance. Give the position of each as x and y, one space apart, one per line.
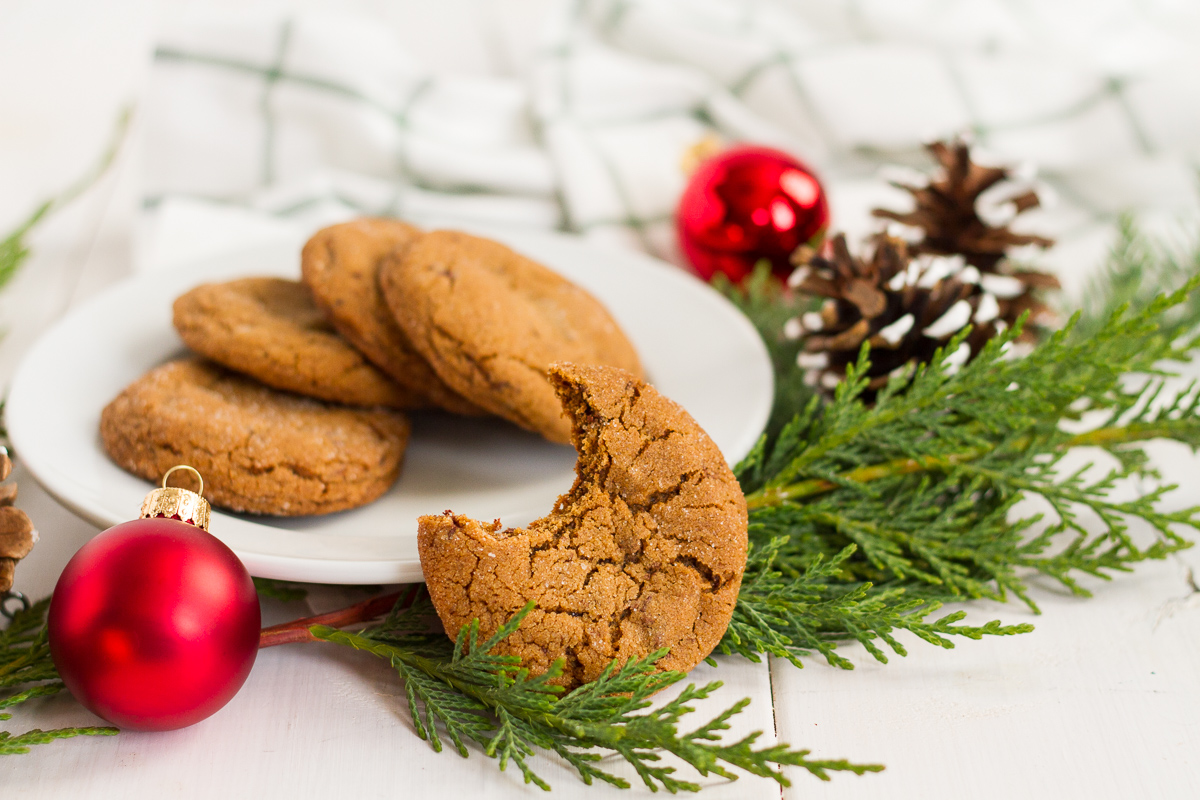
271 330
260 451
646 551
340 266
491 321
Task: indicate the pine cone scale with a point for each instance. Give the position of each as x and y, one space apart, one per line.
17 535
818 287
1026 201
908 299
1038 280
870 301
946 210
851 338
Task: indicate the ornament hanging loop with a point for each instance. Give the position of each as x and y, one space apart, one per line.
171 502
193 470
13 595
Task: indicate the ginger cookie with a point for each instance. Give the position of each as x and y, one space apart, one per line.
270 329
646 551
340 266
260 451
490 322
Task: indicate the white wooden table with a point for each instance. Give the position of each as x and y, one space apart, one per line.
1102 701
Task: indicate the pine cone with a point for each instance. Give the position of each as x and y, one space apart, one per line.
17 535
905 307
953 217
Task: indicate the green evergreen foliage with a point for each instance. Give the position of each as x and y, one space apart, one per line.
14 247
1138 270
792 615
26 672
296 591
283 591
865 519
465 692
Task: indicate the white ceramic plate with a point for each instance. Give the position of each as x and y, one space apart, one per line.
697 349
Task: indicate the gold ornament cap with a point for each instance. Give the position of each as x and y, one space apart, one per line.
700 151
171 502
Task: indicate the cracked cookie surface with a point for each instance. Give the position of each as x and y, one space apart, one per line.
340 266
491 321
260 451
270 329
646 551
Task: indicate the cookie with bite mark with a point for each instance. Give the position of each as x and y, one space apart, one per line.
645 551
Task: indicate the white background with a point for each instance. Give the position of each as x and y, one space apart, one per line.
1102 701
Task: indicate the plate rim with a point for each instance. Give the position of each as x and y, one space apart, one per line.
75 497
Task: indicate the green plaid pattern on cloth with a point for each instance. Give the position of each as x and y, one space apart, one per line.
321 116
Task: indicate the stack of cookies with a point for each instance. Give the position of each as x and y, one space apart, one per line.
296 401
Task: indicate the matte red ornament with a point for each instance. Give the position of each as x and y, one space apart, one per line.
154 624
747 204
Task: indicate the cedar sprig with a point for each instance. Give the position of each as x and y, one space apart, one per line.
465 692
863 519
793 615
25 650
26 672
1139 268
283 591
14 247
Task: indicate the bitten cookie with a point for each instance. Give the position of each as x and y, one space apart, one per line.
260 451
491 321
270 329
646 551
340 266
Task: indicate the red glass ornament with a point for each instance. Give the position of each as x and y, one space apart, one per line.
747 204
154 624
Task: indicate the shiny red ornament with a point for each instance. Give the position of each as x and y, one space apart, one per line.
154 624
747 204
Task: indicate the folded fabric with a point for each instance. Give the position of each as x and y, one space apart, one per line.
317 116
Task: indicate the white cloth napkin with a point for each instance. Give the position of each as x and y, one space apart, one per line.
267 126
